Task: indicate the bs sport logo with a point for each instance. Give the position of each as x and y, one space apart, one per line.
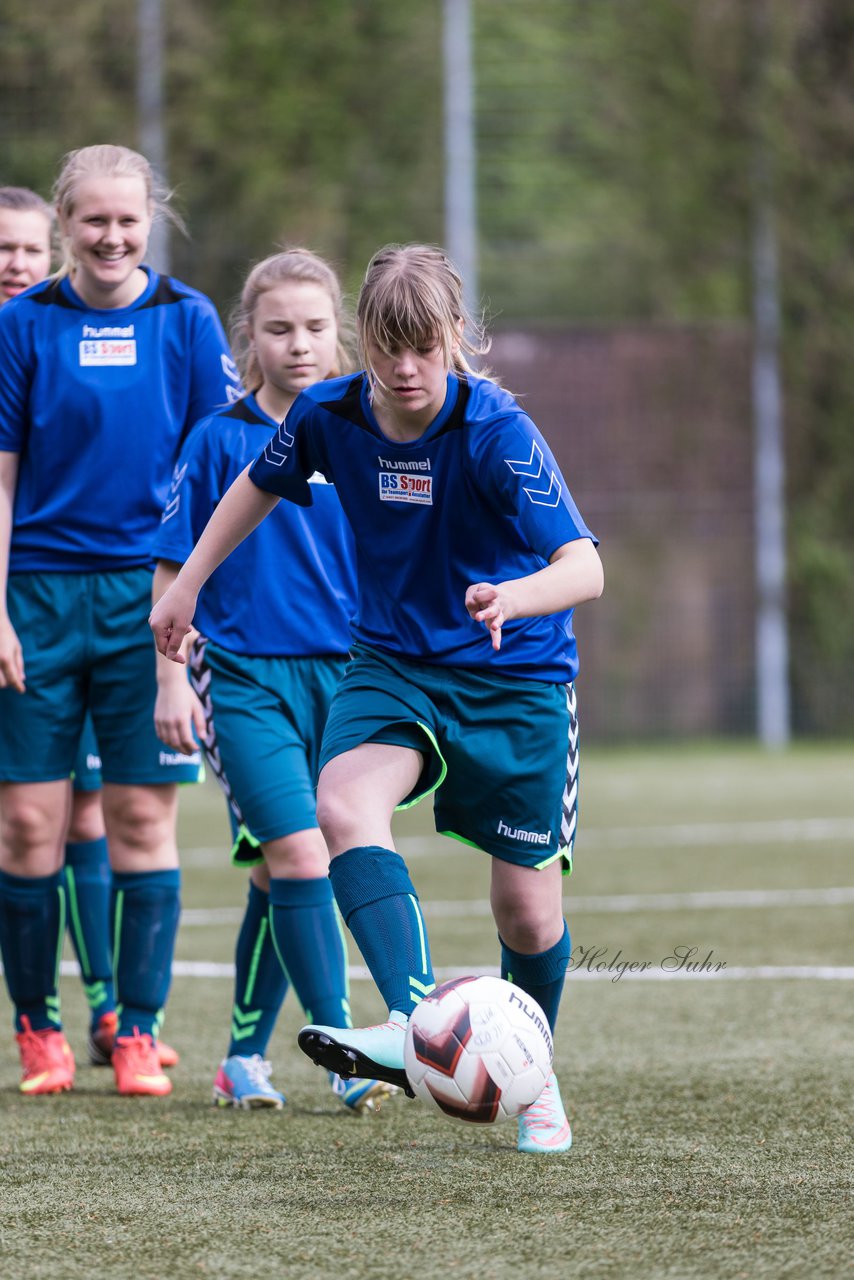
398 484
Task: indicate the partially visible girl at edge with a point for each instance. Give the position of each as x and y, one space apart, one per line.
105 368
265 666
471 556
26 250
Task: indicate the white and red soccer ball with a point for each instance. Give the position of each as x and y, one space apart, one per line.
478 1049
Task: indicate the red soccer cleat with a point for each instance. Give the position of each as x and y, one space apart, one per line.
137 1067
168 1056
46 1059
103 1036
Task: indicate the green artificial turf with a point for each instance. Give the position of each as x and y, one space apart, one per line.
711 1117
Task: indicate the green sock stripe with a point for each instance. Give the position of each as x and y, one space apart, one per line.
51 1005
245 1019
418 990
242 1033
117 929
345 1003
60 935
95 992
421 932
423 988
244 1024
282 961
74 921
256 960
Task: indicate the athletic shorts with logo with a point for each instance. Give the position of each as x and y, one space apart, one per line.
86 775
264 720
87 648
500 754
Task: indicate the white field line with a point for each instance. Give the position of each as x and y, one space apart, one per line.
198 917
769 831
675 836
358 973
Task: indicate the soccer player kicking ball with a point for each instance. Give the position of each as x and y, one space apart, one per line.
265 668
471 557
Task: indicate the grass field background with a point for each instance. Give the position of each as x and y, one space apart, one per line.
711 1113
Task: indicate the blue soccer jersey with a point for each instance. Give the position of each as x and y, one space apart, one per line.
290 588
97 403
477 498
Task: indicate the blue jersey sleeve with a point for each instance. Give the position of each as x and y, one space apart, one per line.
214 379
15 382
197 485
293 455
516 471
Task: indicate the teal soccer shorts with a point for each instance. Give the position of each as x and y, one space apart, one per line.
87 648
264 722
86 775
500 754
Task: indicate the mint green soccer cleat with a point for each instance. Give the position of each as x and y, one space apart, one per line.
544 1128
373 1053
360 1095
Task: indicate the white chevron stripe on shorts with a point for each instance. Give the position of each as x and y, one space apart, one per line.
569 812
200 681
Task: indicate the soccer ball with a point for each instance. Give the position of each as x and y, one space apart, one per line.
478 1049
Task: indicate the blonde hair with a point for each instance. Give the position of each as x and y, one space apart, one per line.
107 161
303 267
23 200
412 296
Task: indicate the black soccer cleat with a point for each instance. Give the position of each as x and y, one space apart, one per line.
345 1052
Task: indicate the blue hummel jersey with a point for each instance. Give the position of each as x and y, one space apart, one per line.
290 588
97 403
478 498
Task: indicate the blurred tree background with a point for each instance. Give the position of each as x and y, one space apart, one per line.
613 185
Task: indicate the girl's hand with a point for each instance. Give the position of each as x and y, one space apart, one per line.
11 658
177 712
171 620
489 604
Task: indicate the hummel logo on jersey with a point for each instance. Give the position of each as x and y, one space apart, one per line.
422 464
533 470
108 345
527 837
108 331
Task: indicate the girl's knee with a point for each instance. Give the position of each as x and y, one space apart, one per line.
140 818
32 836
333 815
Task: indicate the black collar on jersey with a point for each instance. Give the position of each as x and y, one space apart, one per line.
163 294
53 296
349 406
244 411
